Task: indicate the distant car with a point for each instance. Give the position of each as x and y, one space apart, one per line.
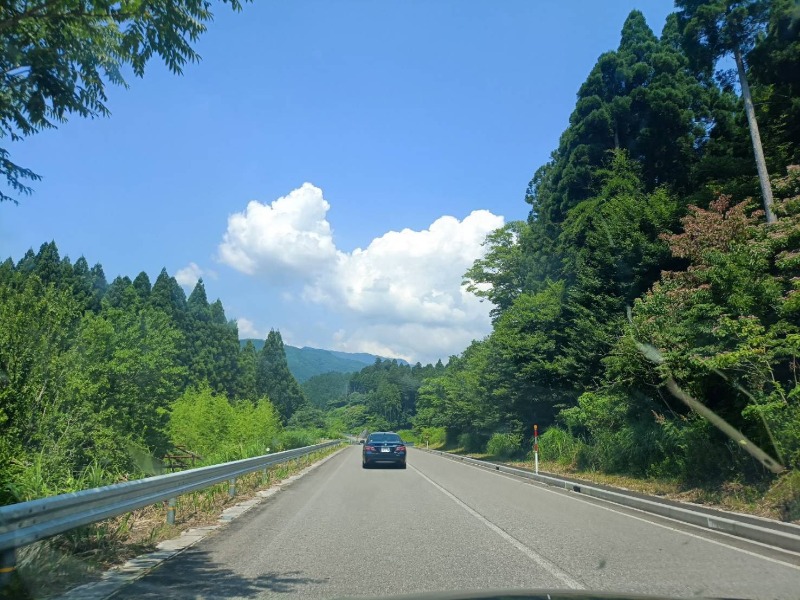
383 447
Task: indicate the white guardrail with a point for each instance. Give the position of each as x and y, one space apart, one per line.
27 522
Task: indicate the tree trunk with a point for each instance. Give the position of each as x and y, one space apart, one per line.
761 165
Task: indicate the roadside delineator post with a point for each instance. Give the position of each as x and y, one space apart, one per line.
171 511
232 487
536 449
8 564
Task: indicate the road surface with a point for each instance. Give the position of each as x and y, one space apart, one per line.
441 525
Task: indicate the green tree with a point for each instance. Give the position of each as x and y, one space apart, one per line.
246 373
327 389
142 286
275 381
717 28
212 343
168 296
776 86
500 275
57 56
37 325
125 364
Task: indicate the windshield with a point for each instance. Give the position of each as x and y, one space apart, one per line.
384 437
361 299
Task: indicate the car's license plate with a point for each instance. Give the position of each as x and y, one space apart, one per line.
386 449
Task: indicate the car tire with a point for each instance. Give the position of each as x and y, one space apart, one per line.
403 465
365 465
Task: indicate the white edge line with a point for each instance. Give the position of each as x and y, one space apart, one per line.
538 559
603 504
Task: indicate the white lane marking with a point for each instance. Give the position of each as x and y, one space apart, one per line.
562 576
599 503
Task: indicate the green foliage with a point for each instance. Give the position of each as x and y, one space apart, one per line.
504 445
472 442
58 56
306 363
389 392
299 438
212 343
632 268
773 63
308 417
500 275
208 424
557 444
98 378
274 379
328 389
408 436
435 437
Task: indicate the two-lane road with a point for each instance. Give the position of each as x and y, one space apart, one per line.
441 525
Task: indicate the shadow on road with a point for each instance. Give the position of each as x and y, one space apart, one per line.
195 575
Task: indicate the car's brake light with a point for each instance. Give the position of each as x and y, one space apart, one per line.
369 448
400 449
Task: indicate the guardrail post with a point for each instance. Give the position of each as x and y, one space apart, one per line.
8 564
232 487
265 476
171 510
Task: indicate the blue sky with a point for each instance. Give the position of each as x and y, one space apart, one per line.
417 125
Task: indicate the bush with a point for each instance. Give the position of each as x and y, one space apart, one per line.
434 436
208 424
298 438
472 442
408 436
785 495
559 445
504 445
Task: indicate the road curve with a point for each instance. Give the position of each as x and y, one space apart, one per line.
442 525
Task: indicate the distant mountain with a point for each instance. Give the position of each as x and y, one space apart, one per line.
306 362
362 357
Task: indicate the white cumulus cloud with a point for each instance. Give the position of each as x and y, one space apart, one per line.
411 276
400 296
188 275
290 236
248 329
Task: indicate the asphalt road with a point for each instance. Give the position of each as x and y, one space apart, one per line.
440 525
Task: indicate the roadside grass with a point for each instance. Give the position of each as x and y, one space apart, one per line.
49 568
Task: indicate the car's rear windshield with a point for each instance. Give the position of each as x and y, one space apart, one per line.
384 437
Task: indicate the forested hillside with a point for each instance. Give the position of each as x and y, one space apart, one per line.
109 376
647 270
305 362
382 396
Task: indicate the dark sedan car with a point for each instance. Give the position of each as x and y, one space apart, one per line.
383 447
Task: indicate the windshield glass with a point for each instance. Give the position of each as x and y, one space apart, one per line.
343 299
384 437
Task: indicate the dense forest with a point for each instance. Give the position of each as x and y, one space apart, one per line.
649 273
108 377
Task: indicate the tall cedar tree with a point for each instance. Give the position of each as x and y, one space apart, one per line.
274 380
716 28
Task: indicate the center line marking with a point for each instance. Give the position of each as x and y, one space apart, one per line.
562 576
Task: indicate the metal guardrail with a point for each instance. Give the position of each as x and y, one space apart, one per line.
27 522
780 535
